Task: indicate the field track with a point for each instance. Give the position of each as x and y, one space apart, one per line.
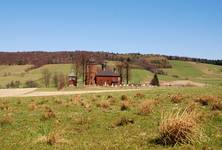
30 92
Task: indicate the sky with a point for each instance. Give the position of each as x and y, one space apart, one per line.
190 28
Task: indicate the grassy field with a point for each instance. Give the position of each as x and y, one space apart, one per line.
96 121
180 70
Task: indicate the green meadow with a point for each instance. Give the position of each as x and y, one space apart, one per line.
99 121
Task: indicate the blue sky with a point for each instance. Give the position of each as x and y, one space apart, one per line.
175 27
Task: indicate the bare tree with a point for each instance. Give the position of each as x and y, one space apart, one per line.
120 68
62 81
76 67
83 61
55 79
127 68
46 75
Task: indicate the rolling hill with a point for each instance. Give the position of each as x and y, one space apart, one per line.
181 70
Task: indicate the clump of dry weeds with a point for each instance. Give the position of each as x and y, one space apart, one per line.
180 127
48 114
32 106
6 119
176 98
123 121
104 104
124 97
146 107
125 105
52 138
139 96
4 105
206 100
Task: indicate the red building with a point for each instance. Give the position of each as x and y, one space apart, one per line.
91 70
107 77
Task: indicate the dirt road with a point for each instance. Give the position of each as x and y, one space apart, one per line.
31 92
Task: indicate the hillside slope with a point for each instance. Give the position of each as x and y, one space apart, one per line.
181 70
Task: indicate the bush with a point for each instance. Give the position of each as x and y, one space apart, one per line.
31 84
155 81
13 84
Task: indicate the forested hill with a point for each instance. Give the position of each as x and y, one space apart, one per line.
39 58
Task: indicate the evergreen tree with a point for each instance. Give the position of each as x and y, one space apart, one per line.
155 81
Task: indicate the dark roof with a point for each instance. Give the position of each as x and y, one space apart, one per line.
107 73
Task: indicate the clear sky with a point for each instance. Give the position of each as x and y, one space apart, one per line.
175 27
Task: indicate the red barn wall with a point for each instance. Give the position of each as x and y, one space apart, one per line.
108 80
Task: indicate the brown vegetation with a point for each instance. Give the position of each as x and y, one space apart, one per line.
48 114
123 121
6 119
125 105
206 100
176 98
145 107
179 127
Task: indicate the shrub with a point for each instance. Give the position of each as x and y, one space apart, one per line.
179 128
31 84
13 84
155 81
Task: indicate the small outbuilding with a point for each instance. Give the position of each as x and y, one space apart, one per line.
107 77
72 81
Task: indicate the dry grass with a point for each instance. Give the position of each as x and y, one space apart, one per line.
82 120
6 119
180 127
48 114
176 98
4 105
139 96
216 106
52 138
32 106
191 106
206 100
124 97
104 104
146 107
125 105
123 121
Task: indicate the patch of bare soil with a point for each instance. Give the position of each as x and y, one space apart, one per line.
182 83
